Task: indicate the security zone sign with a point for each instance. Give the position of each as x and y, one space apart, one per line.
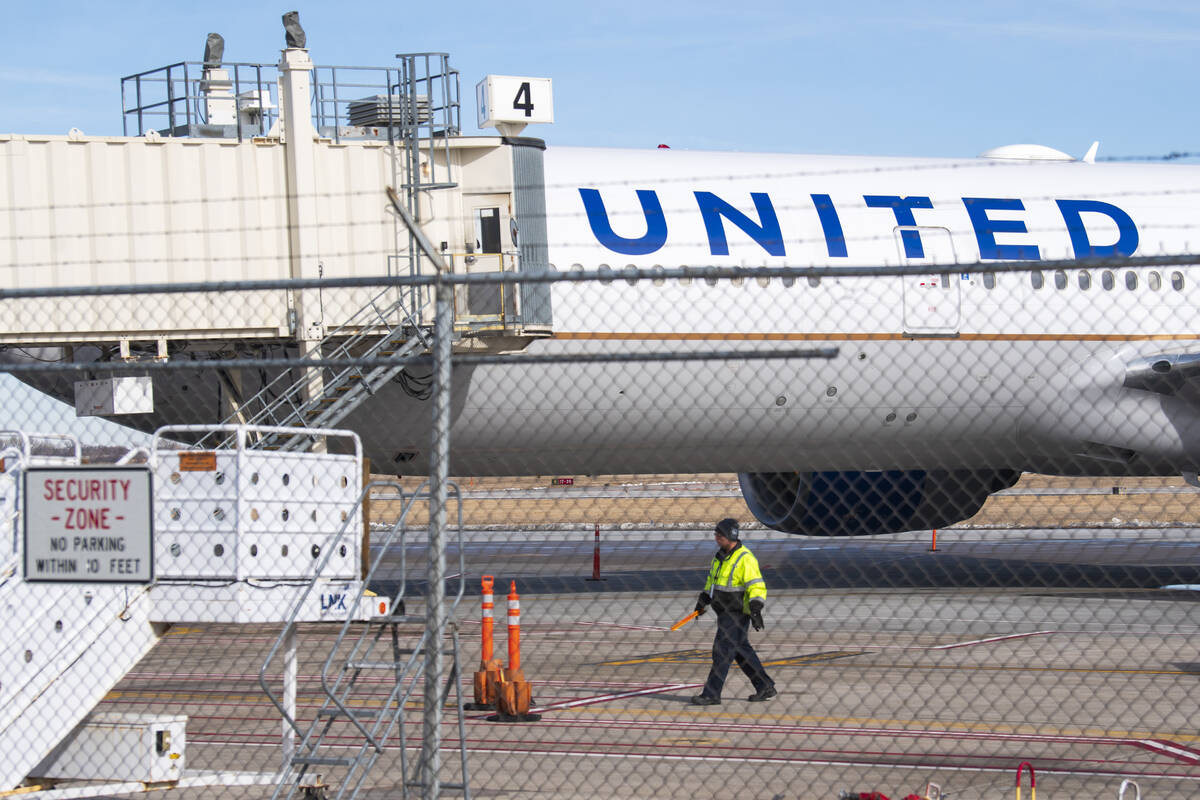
88 525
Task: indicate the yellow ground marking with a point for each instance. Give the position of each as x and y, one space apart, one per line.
184 631
691 741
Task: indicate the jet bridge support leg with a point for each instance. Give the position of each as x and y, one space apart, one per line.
290 673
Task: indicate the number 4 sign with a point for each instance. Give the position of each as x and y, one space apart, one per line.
513 102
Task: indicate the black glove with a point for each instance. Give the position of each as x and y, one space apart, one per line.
702 602
756 607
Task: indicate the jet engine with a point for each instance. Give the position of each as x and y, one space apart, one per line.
857 503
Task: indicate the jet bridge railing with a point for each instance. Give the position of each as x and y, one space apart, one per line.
240 100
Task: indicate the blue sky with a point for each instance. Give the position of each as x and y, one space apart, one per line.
934 78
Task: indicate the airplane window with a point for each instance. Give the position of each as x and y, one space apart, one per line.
1131 280
789 281
1036 279
763 281
1154 281
1177 281
1107 281
814 280
989 280
1085 280
1060 279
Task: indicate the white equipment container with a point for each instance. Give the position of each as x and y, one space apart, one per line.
120 747
129 395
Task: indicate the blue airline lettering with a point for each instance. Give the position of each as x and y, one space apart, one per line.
766 234
903 207
656 223
1127 233
986 229
835 240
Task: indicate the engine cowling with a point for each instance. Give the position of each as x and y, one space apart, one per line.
854 503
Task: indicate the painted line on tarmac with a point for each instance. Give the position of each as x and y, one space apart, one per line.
991 639
451 746
1173 749
625 627
1162 747
607 698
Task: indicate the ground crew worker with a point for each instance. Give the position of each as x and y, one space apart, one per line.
736 589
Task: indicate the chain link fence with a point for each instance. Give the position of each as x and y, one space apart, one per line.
976 539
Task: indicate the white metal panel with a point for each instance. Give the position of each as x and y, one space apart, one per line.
116 210
104 632
124 747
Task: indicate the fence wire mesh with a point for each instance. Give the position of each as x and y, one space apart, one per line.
964 490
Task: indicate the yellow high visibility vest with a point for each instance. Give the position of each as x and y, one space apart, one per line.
737 572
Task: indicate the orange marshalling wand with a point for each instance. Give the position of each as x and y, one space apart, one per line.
685 620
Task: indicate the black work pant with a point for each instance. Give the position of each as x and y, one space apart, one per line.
732 645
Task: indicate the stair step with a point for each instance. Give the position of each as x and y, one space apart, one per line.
323 761
397 618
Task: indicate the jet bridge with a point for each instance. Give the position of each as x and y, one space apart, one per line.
237 171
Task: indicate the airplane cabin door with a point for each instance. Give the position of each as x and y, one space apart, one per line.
932 301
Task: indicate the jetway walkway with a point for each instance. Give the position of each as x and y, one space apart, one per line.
239 535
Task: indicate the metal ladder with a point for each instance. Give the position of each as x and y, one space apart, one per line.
375 649
314 402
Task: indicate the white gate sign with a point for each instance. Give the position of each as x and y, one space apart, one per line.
88 524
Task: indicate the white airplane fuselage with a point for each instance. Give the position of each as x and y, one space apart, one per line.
951 368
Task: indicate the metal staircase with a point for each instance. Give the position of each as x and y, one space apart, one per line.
65 646
322 398
352 706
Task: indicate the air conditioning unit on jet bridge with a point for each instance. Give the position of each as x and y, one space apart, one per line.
112 396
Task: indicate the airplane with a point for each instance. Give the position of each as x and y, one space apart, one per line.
939 385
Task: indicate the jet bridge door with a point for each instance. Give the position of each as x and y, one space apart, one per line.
489 249
932 300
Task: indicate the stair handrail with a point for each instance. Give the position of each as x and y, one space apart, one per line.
290 624
26 442
401 527
423 643
16 465
284 385
352 614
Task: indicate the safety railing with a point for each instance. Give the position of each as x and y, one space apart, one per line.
238 100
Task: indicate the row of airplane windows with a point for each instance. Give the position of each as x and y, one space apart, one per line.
1108 280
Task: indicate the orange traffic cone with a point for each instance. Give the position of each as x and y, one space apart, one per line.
513 694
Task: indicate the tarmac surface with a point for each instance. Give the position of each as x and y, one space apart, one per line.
896 666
